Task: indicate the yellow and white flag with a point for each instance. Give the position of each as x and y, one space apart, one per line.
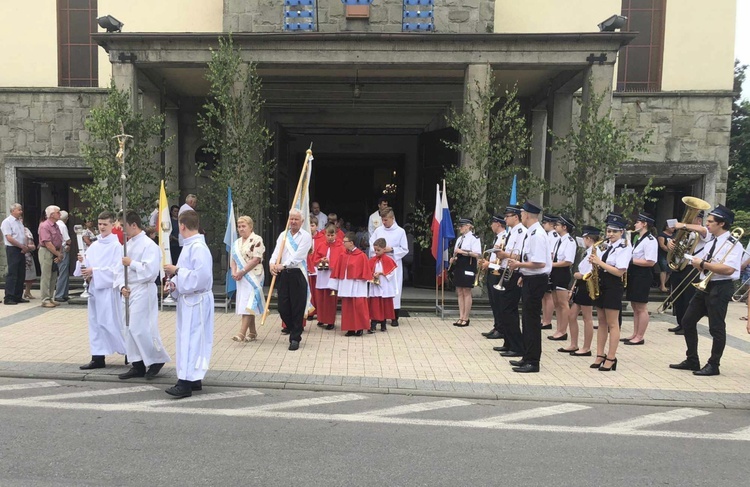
165 228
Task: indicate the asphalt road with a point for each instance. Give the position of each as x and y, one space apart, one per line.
58 433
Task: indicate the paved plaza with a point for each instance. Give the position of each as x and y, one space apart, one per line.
425 355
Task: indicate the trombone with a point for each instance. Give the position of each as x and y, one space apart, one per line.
737 297
701 285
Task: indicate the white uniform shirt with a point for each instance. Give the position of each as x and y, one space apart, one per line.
514 241
553 237
12 226
469 243
584 267
293 258
565 249
500 237
733 259
618 254
536 249
647 247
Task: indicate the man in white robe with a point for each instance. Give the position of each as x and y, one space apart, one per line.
101 266
191 285
191 201
142 338
397 247
375 222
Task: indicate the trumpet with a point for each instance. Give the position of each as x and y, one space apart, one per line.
701 285
481 271
507 271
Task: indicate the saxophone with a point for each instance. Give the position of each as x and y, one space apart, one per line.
591 278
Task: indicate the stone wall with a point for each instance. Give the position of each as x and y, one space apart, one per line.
451 16
688 128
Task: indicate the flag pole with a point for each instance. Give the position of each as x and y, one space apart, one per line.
308 155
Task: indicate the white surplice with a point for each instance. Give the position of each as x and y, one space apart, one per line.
395 237
142 337
106 323
195 309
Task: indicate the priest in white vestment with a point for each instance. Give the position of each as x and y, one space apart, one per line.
101 267
142 338
397 247
191 285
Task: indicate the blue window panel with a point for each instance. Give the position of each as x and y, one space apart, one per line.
418 2
295 14
417 27
417 14
294 3
300 26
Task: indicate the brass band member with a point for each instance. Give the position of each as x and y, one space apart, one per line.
509 299
613 264
719 261
548 302
640 275
582 302
681 303
563 257
501 237
467 250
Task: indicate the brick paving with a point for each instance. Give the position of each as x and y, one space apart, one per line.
424 355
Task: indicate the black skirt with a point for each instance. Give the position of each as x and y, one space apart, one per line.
463 265
610 291
581 296
639 283
559 278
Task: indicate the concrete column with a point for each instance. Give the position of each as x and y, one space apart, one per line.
477 77
538 153
562 118
597 79
126 78
172 153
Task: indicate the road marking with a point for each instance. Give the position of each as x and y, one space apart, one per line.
418 407
534 413
656 419
300 403
96 393
203 397
28 385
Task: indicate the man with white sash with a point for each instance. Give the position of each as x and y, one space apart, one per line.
101 267
191 285
142 338
292 281
247 257
397 247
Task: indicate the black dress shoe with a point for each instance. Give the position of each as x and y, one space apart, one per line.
685 365
708 369
501 349
517 363
196 385
180 390
285 331
330 327
10 302
22 300
526 368
358 333
681 331
153 370
558 339
495 335
94 364
132 373
294 345
349 334
642 342
320 324
382 326
564 350
311 317
547 327
62 300
488 333
394 322
511 353
675 329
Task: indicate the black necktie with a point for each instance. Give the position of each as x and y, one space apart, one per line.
606 253
557 248
710 253
460 241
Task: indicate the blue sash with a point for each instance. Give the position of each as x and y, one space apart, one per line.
259 307
290 240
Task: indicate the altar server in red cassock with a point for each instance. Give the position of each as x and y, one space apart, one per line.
380 301
352 271
326 255
312 273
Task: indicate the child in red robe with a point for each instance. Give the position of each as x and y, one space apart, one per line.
380 301
317 239
327 252
352 271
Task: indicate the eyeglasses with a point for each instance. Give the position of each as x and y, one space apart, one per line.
347 241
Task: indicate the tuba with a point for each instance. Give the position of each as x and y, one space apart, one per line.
591 278
681 238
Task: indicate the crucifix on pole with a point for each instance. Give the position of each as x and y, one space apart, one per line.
122 140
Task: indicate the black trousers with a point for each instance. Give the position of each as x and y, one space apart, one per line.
713 303
532 292
292 288
681 303
16 273
509 320
494 296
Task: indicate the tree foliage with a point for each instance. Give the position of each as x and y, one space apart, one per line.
236 134
143 165
494 135
591 157
738 182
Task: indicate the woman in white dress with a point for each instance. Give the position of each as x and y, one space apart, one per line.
247 255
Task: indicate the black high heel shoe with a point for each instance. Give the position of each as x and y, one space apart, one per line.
595 365
607 369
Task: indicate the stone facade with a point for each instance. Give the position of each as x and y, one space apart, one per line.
451 16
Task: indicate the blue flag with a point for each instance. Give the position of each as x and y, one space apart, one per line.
229 238
513 197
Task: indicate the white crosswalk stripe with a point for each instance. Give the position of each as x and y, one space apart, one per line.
28 385
655 419
534 413
193 399
94 393
418 407
301 403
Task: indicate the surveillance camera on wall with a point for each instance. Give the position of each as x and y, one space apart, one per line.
110 23
613 23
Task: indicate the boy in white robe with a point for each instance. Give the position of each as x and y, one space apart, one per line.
191 285
142 338
397 247
101 266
